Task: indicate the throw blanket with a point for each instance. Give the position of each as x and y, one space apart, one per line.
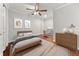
21 39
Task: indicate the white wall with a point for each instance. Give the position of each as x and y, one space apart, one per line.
49 20
65 16
37 26
35 22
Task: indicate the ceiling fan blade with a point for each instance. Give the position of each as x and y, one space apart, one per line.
32 14
40 14
43 10
28 9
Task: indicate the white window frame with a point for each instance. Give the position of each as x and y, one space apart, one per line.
27 24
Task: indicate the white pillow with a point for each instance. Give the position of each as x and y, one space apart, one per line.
27 34
24 35
20 34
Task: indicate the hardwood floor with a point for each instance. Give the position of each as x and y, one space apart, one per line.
48 38
52 39
74 53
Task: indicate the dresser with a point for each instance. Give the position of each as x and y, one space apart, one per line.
67 40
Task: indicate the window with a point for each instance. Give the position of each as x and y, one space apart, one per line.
27 24
17 23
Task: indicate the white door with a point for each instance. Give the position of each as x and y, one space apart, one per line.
5 26
36 26
1 29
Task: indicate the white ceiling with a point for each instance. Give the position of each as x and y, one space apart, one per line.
48 5
21 7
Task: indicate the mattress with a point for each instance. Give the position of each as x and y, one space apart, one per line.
26 42
45 49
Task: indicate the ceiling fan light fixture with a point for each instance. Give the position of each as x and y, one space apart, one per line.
45 16
37 10
35 13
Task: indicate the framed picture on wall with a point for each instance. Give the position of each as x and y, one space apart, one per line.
27 24
17 23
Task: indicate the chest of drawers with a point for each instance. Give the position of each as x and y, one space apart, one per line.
68 40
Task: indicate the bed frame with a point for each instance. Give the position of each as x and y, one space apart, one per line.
23 47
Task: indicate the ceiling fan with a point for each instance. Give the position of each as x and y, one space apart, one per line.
37 10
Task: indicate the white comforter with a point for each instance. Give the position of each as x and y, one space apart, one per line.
46 49
26 42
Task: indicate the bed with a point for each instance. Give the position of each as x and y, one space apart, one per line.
45 49
24 40
35 46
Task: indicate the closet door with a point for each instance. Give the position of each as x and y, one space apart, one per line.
5 25
36 26
1 29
